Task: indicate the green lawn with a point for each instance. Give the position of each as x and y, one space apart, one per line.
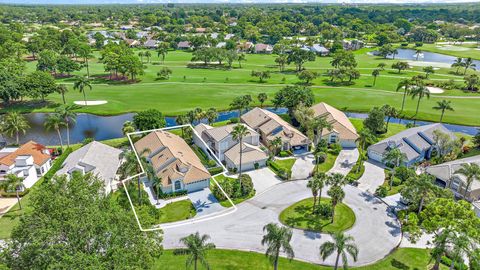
394 190
189 88
469 50
393 128
177 211
300 216
225 203
285 164
403 258
328 164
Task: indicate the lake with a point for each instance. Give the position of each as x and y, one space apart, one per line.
110 127
409 54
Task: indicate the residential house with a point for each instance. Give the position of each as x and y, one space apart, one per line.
132 42
221 44
447 176
342 132
184 45
96 158
229 36
263 48
150 44
174 162
29 161
221 142
416 143
319 50
352 45
200 30
270 126
245 46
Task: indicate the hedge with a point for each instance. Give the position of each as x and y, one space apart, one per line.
280 172
57 164
6 194
173 194
215 170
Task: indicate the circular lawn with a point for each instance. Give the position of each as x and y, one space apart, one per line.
300 216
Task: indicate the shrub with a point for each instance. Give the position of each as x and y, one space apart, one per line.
335 148
234 120
396 182
321 157
321 146
87 141
173 194
57 164
324 210
215 170
403 173
211 163
256 165
381 192
285 153
457 266
247 184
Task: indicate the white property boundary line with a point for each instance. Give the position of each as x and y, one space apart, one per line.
191 221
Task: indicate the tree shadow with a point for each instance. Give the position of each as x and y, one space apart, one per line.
28 105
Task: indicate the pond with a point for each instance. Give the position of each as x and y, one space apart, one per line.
110 127
409 54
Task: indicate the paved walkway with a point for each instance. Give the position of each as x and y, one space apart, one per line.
303 166
373 177
6 204
345 161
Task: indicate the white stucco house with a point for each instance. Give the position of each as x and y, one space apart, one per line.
29 161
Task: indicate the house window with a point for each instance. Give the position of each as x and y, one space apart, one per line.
333 138
178 185
455 184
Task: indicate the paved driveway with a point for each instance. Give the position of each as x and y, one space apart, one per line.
205 202
6 204
263 179
345 161
303 166
376 230
373 176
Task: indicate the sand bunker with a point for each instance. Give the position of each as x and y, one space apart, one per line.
453 48
90 102
426 64
435 90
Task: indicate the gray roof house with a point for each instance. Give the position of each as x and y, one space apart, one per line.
319 49
96 158
446 175
416 143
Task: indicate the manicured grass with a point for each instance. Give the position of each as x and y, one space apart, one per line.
206 88
177 211
225 203
394 190
393 128
285 164
300 216
470 52
328 164
218 259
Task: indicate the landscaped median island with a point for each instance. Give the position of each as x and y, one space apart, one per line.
219 259
282 167
302 216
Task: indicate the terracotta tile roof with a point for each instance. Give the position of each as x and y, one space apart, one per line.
274 126
31 148
172 158
340 122
250 153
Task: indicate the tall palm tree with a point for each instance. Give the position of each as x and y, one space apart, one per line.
196 247
62 89
468 64
162 51
154 180
239 131
341 244
395 157
55 122
390 112
365 138
443 106
80 84
241 58
321 123
458 64
275 144
131 167
141 54
405 84
277 238
182 120
69 116
419 91
148 54
417 53
85 51
262 97
13 124
337 195
375 74
13 182
211 115
471 171
316 184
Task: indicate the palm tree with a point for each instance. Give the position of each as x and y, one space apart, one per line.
389 112
321 123
155 180
69 116
128 127
131 167
365 138
375 74
196 247
148 54
343 245
80 84
55 121
275 144
239 131
458 64
316 184
240 59
162 51
182 120
443 106
211 115
468 64
141 54
304 115
14 182
62 89
337 195
395 157
13 124
471 171
278 239
262 97
405 84
419 91
85 52
417 53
